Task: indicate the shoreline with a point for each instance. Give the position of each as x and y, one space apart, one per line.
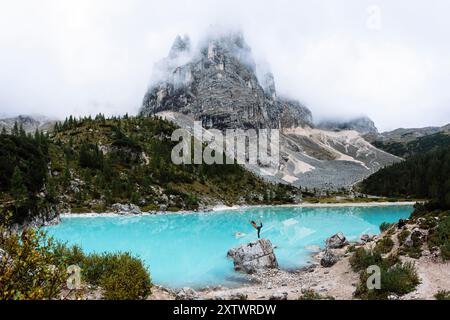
219 208
263 286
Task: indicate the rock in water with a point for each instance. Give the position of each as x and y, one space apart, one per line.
329 259
254 256
336 241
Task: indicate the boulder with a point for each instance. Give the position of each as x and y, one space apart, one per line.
254 256
329 259
401 224
238 296
367 238
126 208
186 294
279 296
336 241
416 237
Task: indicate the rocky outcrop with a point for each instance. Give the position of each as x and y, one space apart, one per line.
367 238
336 241
363 125
47 216
253 257
218 85
279 296
126 209
329 259
186 294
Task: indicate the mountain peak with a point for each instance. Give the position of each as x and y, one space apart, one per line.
218 86
181 45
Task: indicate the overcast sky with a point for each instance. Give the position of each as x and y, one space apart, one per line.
387 59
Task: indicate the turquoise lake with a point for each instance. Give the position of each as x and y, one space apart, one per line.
190 249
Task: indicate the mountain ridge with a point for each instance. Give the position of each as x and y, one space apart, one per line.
219 86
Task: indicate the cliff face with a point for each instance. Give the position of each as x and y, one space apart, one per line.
363 125
217 84
220 85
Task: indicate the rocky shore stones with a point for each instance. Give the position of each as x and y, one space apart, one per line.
278 296
367 238
336 241
126 208
187 294
329 259
253 257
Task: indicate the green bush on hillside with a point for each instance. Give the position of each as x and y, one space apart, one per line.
440 237
28 270
398 279
34 266
384 245
385 226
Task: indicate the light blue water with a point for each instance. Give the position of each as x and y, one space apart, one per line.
190 249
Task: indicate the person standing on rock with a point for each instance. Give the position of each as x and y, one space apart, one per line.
258 228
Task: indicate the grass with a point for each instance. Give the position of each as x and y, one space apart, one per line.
385 245
442 295
362 259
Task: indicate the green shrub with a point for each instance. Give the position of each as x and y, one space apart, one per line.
385 226
398 279
362 259
68 255
403 235
127 280
445 251
122 276
385 245
34 267
442 295
440 237
27 269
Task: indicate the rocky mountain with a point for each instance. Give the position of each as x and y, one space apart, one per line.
406 135
29 123
218 84
363 125
409 142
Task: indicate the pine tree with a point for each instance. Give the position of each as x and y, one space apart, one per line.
18 188
15 129
22 132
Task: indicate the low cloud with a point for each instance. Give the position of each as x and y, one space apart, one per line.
79 57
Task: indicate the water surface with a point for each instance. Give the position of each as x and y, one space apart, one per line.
190 249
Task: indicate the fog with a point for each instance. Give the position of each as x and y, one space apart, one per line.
385 59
